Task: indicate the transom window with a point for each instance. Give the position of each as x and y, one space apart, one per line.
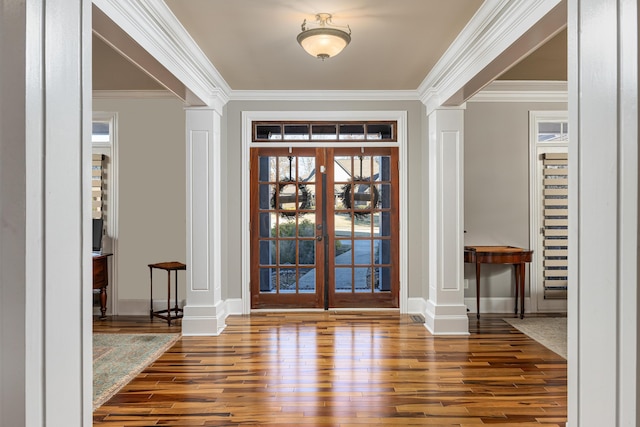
324 131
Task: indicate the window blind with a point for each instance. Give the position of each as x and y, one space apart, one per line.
555 229
97 186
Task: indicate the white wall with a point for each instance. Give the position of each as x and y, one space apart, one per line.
151 205
496 179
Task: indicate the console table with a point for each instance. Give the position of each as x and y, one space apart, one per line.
500 255
101 279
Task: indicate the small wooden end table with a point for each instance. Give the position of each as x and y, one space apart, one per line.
170 313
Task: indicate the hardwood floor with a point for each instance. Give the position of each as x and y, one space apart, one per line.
342 369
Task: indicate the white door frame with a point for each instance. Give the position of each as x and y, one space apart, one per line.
536 283
250 116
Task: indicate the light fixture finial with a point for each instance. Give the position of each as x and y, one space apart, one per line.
325 39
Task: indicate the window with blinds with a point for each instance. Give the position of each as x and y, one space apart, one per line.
98 186
555 224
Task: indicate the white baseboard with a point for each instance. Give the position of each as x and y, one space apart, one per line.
496 305
487 305
234 306
140 307
416 306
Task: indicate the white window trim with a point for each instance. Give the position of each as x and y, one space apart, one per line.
112 206
248 117
536 117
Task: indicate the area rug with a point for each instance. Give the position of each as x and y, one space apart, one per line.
551 332
118 358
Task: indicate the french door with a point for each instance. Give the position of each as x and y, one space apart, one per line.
324 227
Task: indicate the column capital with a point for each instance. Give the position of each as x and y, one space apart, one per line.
433 107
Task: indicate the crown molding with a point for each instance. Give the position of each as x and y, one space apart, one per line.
496 25
324 95
523 91
154 27
133 94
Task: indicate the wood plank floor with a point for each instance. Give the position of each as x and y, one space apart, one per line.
342 369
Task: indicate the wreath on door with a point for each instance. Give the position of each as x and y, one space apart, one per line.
304 198
359 187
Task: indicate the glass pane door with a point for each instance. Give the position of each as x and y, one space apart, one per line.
350 259
362 218
286 217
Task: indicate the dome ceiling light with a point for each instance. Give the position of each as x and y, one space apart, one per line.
322 39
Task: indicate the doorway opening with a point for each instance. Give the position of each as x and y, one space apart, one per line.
324 203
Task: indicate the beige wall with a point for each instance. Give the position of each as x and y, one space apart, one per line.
496 184
151 205
417 187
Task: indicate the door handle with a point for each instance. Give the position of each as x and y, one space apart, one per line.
319 237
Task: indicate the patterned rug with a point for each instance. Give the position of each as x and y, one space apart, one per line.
118 358
551 332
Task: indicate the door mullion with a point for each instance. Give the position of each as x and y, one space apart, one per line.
325 239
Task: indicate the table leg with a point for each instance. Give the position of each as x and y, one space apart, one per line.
169 297
175 308
103 303
522 269
517 287
151 293
477 290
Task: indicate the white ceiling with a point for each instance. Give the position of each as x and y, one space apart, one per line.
252 44
394 44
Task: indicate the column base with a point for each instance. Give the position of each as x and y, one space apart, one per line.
204 320
446 319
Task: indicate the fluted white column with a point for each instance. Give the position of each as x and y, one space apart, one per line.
204 312
446 313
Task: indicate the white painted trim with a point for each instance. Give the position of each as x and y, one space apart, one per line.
204 321
603 328
140 306
205 312
488 305
522 91
496 25
445 319
324 95
234 306
154 27
445 313
416 305
497 91
249 116
133 94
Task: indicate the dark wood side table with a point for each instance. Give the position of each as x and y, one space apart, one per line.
101 279
170 313
500 255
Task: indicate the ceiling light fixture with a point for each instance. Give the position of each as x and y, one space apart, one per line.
322 39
